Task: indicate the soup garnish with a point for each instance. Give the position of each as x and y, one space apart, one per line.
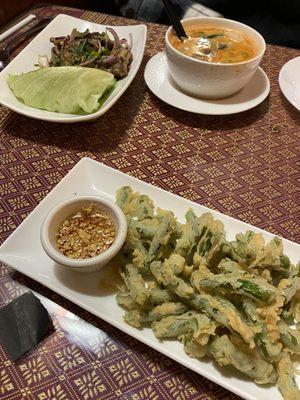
215 44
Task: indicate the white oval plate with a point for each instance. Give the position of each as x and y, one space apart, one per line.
23 251
289 81
62 25
161 84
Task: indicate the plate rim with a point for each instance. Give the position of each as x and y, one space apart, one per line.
261 97
82 164
73 117
280 81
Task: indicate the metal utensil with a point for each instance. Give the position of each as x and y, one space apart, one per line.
21 36
17 26
175 21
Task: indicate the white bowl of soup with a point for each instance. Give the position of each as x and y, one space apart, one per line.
218 58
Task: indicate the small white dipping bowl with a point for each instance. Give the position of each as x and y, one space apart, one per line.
207 79
64 210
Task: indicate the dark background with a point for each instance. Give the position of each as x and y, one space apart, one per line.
277 20
9 9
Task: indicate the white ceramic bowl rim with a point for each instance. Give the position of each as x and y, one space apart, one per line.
105 255
260 54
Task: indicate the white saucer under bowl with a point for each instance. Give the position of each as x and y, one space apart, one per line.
161 84
289 81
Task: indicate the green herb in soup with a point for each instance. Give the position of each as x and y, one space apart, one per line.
217 45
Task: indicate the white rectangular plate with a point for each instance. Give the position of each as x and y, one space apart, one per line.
62 25
23 251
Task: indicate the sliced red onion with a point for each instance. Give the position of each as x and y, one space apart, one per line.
117 43
88 62
110 59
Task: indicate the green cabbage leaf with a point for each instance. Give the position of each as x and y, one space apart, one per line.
69 90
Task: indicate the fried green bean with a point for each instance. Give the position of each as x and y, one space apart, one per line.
140 260
165 309
294 285
133 240
295 307
191 218
201 303
226 353
146 228
287 316
205 243
289 337
200 234
134 205
158 296
228 266
140 317
249 307
268 348
125 300
187 241
190 235
166 274
247 285
172 327
246 249
273 258
257 290
286 378
135 284
223 312
134 318
123 195
190 322
144 208
192 347
230 300
160 237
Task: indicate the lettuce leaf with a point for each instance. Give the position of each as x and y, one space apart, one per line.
70 90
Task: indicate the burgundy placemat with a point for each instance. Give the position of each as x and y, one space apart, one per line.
245 165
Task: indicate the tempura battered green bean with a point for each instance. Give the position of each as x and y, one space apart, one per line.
189 322
228 266
123 195
135 285
192 347
165 273
289 337
160 236
247 285
172 327
223 312
125 300
159 296
232 301
286 378
226 353
268 348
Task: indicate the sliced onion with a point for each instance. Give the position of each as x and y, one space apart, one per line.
43 61
117 43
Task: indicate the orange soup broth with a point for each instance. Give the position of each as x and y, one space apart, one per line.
214 44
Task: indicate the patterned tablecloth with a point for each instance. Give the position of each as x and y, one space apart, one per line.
244 165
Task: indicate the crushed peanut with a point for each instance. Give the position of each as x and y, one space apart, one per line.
86 234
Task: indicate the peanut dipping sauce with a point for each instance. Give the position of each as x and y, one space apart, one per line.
215 44
86 234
